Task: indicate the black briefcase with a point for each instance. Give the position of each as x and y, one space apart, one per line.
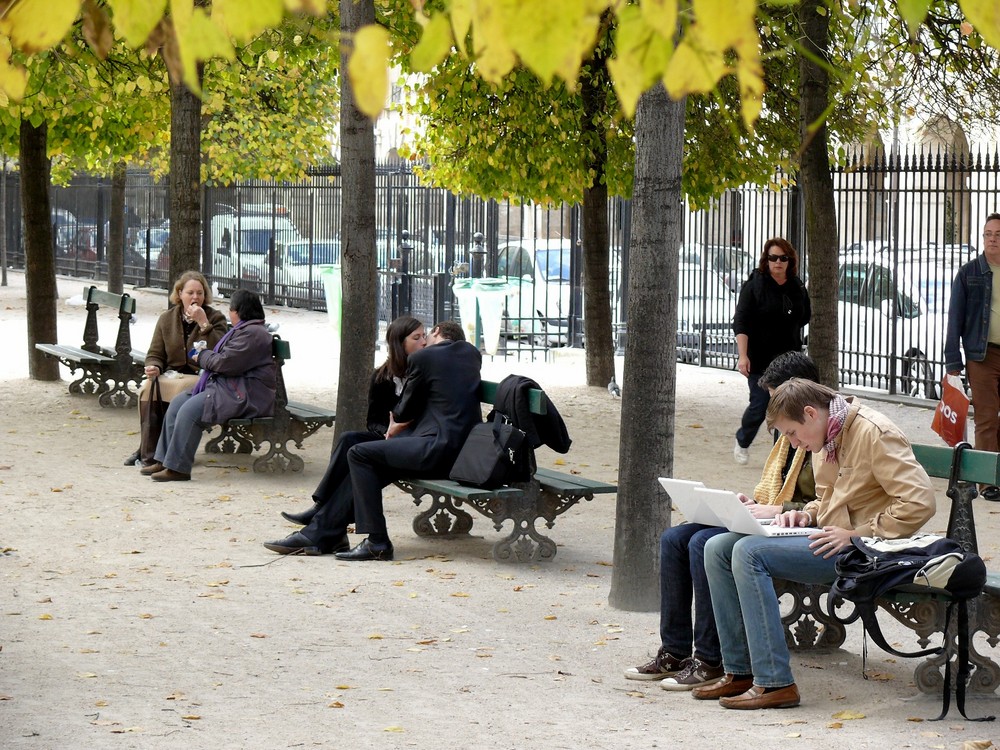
489 455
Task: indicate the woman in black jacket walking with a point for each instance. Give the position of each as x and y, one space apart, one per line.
771 311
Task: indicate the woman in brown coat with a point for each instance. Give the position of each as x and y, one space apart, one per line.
189 319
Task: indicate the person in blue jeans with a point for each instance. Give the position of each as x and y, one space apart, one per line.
871 485
786 482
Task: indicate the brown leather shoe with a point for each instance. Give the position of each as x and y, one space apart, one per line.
755 697
169 475
151 469
729 685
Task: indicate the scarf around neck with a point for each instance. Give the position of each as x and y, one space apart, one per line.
773 488
838 416
205 374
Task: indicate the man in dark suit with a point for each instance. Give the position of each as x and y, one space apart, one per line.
437 410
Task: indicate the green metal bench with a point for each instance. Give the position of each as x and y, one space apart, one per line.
292 423
107 373
807 624
545 496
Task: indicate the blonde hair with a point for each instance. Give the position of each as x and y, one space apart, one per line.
790 399
184 278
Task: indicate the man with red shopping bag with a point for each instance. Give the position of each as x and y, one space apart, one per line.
974 318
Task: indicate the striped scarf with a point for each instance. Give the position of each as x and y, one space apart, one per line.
775 488
838 415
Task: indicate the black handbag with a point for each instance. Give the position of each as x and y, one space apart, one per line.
489 455
151 414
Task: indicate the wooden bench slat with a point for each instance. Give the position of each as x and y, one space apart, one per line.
301 411
488 395
982 467
571 482
74 353
120 302
462 491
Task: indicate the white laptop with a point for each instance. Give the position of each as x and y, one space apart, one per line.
699 504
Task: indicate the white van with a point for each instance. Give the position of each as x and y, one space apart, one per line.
240 246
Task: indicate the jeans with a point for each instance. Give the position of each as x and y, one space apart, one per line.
740 571
682 576
181 434
753 416
984 380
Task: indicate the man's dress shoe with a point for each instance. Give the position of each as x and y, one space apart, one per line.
169 475
151 469
367 551
755 697
299 544
727 686
304 517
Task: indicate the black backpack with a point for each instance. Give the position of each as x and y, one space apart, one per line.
872 567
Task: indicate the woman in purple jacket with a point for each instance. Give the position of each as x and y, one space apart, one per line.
237 381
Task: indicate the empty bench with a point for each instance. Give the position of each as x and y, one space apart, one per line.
292 423
545 496
110 374
808 625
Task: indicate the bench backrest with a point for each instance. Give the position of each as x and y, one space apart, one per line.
981 467
122 302
125 304
488 395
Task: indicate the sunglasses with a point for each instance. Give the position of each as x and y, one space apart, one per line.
778 258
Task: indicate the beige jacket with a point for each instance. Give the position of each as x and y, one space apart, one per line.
876 487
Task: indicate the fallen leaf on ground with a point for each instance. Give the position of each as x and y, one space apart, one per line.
846 714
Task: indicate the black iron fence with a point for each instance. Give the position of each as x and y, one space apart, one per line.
906 223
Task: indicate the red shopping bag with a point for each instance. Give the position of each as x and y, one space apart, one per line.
952 411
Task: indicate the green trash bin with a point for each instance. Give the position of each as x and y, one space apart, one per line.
465 293
334 297
491 294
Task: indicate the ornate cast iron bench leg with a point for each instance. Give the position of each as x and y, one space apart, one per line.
442 518
807 624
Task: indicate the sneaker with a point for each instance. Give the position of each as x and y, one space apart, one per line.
662 665
695 674
741 454
991 493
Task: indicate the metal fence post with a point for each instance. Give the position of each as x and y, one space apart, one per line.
478 254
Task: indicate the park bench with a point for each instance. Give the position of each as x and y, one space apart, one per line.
291 423
546 495
808 625
100 365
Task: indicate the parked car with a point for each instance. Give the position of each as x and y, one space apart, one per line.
241 246
733 264
892 323
538 302
300 271
705 308
156 237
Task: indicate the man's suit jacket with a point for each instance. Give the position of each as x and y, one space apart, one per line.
441 397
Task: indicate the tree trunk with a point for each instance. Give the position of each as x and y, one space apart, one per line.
185 180
359 327
116 236
646 449
817 190
40 264
600 354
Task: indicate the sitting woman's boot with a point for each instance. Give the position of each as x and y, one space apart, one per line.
133 458
304 517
